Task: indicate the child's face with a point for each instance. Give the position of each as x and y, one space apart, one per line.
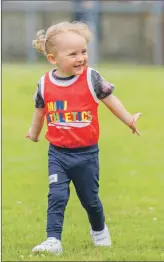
71 57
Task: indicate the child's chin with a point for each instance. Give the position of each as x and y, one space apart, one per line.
79 71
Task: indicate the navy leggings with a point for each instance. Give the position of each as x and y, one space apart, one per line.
81 166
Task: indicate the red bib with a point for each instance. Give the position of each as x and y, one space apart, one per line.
71 111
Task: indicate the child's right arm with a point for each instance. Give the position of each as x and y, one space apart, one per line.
38 118
37 124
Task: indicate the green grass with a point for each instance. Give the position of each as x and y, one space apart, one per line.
132 172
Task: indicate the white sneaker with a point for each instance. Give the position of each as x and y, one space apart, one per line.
101 238
51 245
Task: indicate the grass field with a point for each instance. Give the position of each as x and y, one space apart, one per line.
132 172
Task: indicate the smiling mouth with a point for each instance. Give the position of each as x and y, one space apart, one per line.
79 66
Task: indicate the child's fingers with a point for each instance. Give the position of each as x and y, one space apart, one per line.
137 116
136 131
28 136
28 133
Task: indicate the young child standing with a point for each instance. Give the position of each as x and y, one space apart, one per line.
68 97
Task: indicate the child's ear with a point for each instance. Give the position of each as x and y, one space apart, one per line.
51 59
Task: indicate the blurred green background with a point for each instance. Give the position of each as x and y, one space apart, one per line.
131 169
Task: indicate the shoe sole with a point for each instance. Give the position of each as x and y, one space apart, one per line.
47 252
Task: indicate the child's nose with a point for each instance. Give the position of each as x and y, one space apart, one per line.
80 58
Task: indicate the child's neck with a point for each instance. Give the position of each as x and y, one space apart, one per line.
61 74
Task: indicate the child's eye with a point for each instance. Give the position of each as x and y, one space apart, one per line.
72 54
84 51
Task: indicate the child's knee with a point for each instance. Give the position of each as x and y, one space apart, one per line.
58 196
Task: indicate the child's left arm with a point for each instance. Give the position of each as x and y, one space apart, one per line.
116 107
104 92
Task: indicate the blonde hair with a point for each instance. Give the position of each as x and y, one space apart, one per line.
45 43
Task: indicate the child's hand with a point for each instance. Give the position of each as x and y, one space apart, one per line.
133 125
29 136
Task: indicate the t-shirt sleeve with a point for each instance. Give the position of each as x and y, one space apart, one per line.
39 101
102 88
